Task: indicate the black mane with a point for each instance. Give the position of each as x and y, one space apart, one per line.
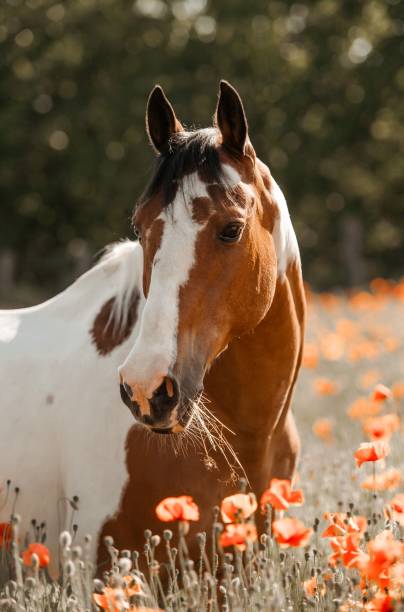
187 152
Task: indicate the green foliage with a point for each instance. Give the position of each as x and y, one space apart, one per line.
322 84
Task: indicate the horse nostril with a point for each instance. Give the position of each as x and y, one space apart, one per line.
165 397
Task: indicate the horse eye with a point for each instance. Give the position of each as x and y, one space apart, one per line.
231 233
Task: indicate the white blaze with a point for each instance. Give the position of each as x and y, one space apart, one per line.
155 349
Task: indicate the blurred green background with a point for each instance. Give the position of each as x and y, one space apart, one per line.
322 83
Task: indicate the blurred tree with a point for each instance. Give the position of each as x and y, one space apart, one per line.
322 84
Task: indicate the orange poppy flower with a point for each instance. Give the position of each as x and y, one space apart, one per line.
391 344
5 534
117 599
369 378
332 346
329 300
362 300
40 550
323 429
371 451
280 495
346 328
396 508
342 524
311 587
381 286
324 386
362 408
182 508
381 603
382 427
385 481
290 532
346 549
237 508
310 356
238 535
383 552
398 390
398 290
381 393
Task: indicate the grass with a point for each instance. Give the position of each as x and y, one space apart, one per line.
353 343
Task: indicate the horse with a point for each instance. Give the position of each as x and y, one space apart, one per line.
197 326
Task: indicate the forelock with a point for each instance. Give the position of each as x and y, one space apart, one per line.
187 152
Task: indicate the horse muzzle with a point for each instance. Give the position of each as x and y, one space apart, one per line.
161 413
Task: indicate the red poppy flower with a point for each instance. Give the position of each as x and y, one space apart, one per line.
238 535
182 508
323 428
238 507
385 481
362 408
383 552
381 393
381 603
324 386
40 550
280 495
310 356
371 451
5 534
342 525
381 428
396 508
290 532
346 549
398 390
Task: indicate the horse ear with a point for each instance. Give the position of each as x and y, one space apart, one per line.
230 118
161 122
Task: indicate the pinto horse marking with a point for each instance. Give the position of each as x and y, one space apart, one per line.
107 332
212 298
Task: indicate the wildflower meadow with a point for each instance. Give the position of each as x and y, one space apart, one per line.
332 540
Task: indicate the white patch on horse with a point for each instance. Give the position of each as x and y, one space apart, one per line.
74 445
9 325
284 236
155 349
233 179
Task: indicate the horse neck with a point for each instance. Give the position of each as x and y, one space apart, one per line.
250 385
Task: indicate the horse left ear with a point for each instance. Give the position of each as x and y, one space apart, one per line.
230 119
161 121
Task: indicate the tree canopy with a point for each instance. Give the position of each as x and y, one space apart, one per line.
322 83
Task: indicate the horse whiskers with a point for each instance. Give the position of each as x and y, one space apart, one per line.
213 428
209 413
204 429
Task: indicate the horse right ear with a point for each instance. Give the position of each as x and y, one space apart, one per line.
161 122
230 119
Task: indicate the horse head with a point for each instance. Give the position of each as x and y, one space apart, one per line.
209 226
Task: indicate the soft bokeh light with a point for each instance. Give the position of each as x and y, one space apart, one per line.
322 85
